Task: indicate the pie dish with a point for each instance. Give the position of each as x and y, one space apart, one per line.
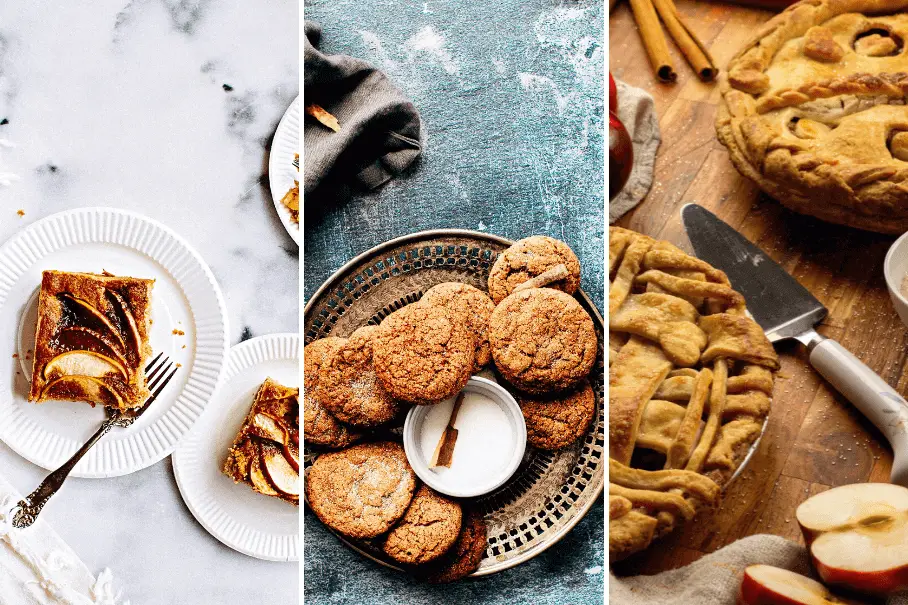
814 111
91 340
690 380
265 454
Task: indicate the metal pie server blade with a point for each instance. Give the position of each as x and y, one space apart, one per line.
785 309
782 306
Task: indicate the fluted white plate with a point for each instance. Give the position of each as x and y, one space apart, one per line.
246 521
185 299
281 172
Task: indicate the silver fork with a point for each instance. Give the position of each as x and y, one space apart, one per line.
158 374
296 163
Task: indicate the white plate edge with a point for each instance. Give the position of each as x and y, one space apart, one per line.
182 487
9 244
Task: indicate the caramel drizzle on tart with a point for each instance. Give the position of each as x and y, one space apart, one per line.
97 349
813 104
690 376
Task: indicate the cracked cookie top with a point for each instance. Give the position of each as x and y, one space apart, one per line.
361 491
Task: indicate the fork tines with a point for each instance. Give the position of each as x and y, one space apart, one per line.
158 375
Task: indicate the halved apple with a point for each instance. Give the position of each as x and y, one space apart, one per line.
768 585
858 536
67 388
80 338
279 472
269 427
83 363
292 454
258 478
79 306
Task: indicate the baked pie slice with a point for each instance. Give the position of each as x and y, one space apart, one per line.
91 340
814 111
266 454
690 380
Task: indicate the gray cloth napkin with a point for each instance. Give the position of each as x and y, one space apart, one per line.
637 112
715 579
379 128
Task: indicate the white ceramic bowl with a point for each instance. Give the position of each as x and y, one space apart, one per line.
413 431
895 267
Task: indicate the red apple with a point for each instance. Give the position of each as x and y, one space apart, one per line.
858 536
620 155
768 585
612 95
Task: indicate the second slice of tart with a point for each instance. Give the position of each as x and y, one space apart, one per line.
91 340
265 454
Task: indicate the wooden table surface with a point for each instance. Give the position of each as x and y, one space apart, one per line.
815 439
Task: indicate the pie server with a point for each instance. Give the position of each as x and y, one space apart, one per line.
785 309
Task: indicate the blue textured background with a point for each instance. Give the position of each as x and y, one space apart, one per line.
511 96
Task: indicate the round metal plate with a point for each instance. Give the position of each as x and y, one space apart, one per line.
551 491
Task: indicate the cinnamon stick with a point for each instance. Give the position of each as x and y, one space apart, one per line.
693 50
444 451
556 273
653 39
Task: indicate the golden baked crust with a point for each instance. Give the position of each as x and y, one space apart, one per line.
814 111
91 340
690 377
265 453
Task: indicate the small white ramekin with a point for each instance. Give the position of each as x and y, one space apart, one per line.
413 432
895 268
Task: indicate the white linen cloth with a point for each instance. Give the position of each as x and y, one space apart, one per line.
716 578
38 568
637 112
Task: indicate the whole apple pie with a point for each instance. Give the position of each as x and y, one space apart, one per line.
814 111
266 454
91 340
690 380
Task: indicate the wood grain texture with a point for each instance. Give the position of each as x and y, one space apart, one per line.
815 439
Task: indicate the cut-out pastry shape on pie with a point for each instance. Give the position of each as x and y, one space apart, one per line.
266 452
690 380
814 111
91 340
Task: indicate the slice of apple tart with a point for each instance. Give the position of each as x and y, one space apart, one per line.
91 340
266 452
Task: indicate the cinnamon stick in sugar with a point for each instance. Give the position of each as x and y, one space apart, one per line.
693 50
653 39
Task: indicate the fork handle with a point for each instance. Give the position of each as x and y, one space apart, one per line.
30 507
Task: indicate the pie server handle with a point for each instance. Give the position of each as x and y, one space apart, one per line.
870 394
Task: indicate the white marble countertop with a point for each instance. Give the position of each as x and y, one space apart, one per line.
164 108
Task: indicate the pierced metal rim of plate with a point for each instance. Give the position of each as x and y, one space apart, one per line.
441 233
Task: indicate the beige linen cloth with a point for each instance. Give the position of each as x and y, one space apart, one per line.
715 579
637 112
